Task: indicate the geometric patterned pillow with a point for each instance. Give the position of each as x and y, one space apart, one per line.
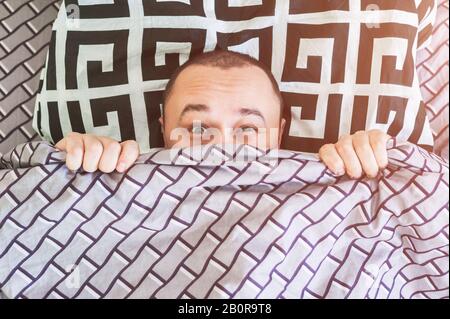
342 65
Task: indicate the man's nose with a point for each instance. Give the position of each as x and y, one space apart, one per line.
224 136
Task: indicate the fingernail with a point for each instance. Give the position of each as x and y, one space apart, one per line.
121 167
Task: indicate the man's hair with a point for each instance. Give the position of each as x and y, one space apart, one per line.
224 60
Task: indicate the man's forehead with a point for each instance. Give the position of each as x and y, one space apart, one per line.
226 89
211 85
194 74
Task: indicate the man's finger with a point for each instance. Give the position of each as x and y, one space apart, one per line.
62 145
365 154
110 155
346 151
329 155
378 142
128 155
93 150
73 144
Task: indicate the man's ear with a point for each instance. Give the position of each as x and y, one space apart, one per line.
282 126
161 121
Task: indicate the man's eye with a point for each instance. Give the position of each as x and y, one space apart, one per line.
248 129
198 130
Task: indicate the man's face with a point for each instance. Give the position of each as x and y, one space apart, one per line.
209 105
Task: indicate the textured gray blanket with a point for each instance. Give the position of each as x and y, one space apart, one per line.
223 224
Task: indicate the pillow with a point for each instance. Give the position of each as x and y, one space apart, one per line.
342 65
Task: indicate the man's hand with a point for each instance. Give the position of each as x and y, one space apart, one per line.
98 153
365 152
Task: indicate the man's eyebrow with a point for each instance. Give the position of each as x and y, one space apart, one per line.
247 112
194 108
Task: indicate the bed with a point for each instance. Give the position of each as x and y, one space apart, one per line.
213 222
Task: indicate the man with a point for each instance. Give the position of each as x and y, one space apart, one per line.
225 97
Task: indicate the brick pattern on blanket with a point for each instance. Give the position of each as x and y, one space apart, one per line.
433 68
199 230
342 65
25 29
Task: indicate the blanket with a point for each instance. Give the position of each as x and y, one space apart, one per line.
213 222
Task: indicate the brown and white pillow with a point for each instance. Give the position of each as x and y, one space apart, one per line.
342 65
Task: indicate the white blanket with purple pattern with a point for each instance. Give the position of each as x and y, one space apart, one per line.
223 226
